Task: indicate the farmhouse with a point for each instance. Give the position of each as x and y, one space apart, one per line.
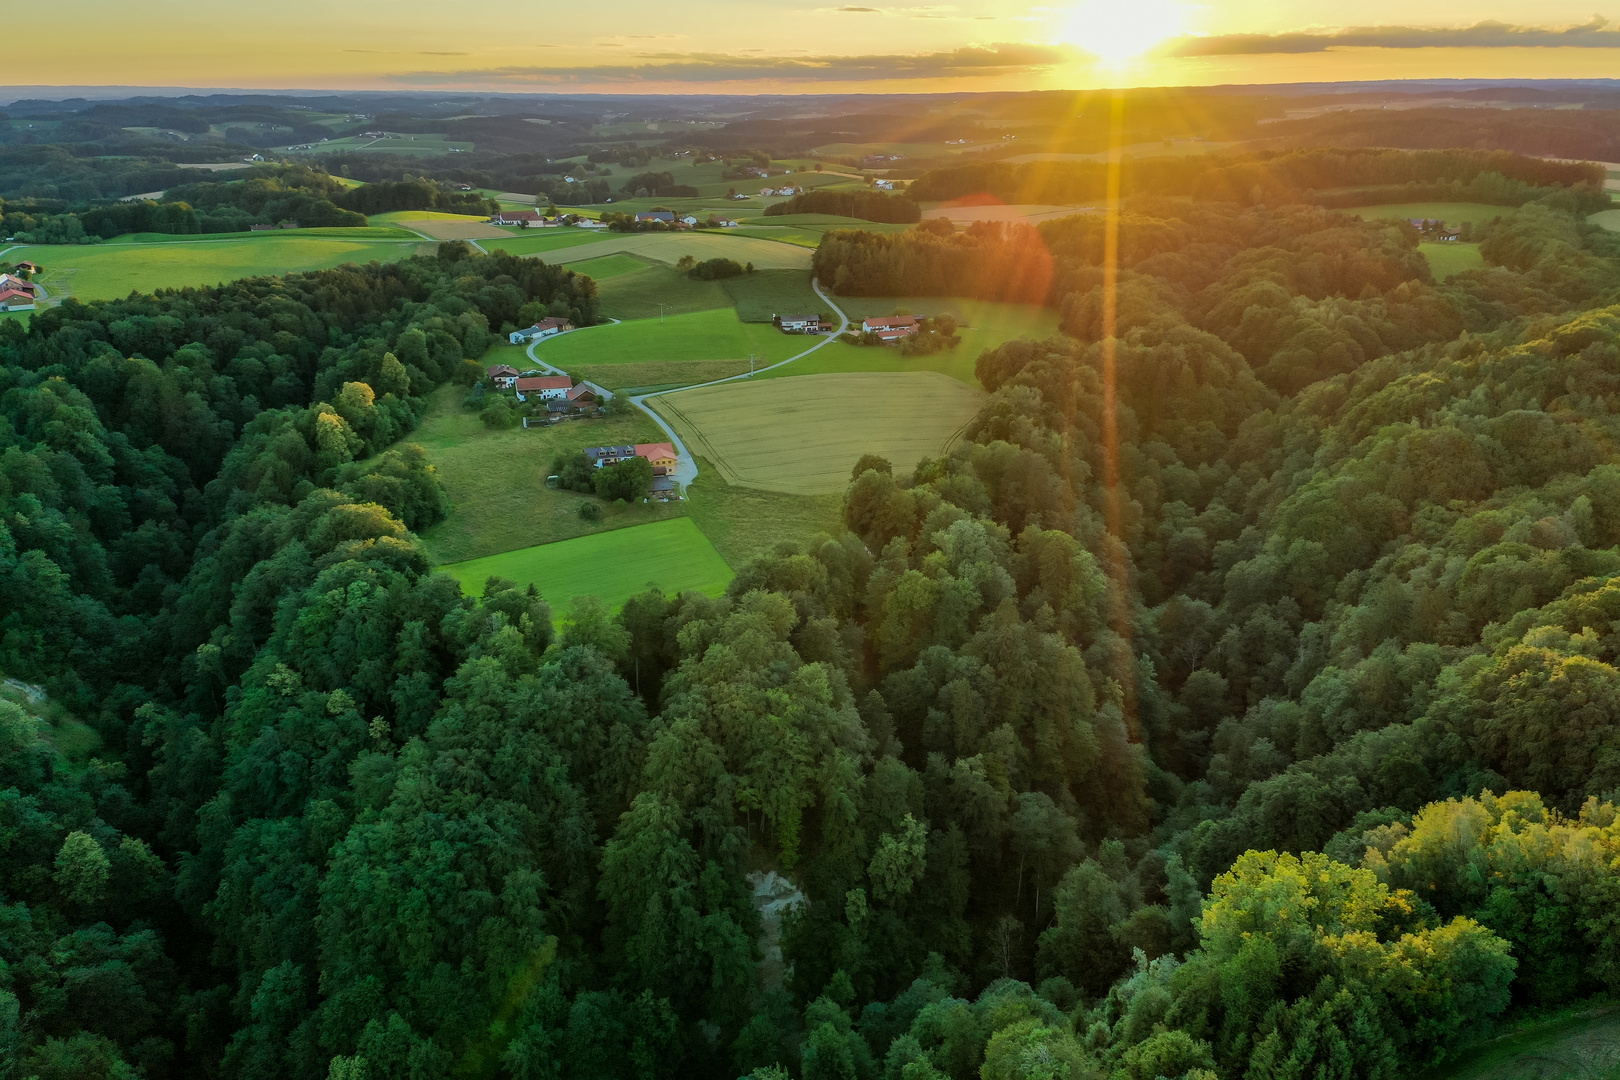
503 376
890 327
16 300
8 283
660 455
883 185
665 216
797 324
581 394
526 218
28 267
546 386
543 329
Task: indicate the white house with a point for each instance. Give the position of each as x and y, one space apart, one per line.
543 329
546 386
688 220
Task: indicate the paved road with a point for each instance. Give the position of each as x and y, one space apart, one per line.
686 469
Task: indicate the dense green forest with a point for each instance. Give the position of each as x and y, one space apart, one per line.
1267 725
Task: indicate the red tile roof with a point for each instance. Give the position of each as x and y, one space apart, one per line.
890 322
17 294
545 382
502 371
655 451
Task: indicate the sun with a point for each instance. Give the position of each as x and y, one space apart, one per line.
1118 31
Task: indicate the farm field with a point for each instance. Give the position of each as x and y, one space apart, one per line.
658 375
1452 213
410 145
659 289
1030 212
613 566
542 241
366 232
744 523
765 293
607 266
1607 219
1179 148
443 226
1582 1046
105 271
1448 259
669 247
803 435
496 480
702 335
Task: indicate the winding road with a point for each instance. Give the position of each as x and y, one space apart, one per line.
686 469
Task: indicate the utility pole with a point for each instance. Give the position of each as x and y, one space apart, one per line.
750 365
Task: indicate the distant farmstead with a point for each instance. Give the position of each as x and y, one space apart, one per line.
798 324
665 216
890 327
543 329
660 455
525 218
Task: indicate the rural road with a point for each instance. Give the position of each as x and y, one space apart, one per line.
686 469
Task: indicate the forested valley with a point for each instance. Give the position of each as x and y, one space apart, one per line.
1253 714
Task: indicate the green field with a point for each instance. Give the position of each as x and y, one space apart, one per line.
672 555
1448 259
607 266
496 480
985 324
541 241
1607 219
1583 1045
669 247
760 295
656 375
658 290
803 435
105 271
1452 213
745 523
702 335
415 145
368 232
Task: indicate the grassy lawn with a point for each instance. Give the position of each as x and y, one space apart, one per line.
803 435
1579 1045
607 266
1452 213
1607 219
764 293
672 555
702 335
17 316
745 523
1448 259
496 480
104 271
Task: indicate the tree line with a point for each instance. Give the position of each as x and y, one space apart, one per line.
866 205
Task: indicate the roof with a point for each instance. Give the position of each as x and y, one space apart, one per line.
518 215
812 317
26 265
654 451
609 451
500 370
10 294
580 391
545 382
656 215
547 324
890 322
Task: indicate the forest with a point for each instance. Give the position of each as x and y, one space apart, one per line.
1255 714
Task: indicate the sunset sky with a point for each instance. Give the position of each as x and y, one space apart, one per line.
751 46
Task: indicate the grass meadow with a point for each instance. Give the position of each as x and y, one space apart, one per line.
1448 259
1452 213
607 266
802 436
105 271
1607 219
765 293
671 555
669 247
655 375
1576 1045
657 290
715 334
745 523
496 480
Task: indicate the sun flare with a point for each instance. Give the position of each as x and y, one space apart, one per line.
1118 31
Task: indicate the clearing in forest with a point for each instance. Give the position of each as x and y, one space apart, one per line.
804 435
671 555
1581 1046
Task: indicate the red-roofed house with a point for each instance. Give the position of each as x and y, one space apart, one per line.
547 386
503 376
581 394
661 454
7 283
16 300
28 267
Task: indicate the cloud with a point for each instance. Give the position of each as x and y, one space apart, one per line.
918 12
871 10
971 61
1596 34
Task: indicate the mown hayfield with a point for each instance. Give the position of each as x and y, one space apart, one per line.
765 293
442 226
104 271
1448 259
671 555
658 375
803 435
702 335
1581 1045
658 290
1452 213
541 242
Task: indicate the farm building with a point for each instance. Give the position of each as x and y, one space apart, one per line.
582 394
546 386
28 267
665 216
273 228
16 300
797 324
9 283
661 455
526 218
503 376
890 327
543 329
